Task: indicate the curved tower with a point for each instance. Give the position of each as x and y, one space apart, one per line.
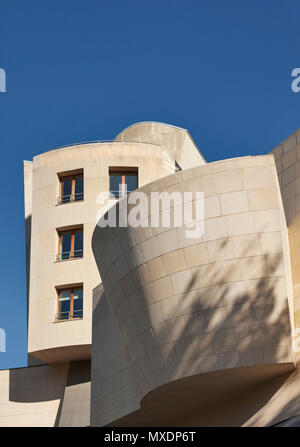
63 190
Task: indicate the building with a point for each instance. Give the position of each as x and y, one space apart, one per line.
146 326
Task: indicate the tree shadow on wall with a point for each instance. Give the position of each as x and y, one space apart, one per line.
231 325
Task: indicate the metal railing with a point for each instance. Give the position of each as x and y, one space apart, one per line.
68 315
69 255
82 143
119 194
70 198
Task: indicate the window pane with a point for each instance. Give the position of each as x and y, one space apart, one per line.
131 181
78 303
64 305
65 245
114 181
78 244
66 190
78 187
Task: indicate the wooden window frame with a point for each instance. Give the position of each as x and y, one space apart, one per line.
70 175
122 171
72 231
68 289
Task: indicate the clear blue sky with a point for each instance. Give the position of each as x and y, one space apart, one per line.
84 70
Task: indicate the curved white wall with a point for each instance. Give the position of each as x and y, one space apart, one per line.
187 307
177 141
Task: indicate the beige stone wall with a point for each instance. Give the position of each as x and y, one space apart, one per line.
70 340
287 158
186 307
31 396
46 396
28 171
74 409
112 388
283 404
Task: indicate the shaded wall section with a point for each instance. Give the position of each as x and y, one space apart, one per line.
30 397
74 410
223 398
113 392
287 158
46 396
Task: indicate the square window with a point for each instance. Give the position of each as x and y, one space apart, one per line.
70 243
70 187
69 303
122 181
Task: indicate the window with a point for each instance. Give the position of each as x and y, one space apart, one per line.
70 244
69 303
122 180
70 187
